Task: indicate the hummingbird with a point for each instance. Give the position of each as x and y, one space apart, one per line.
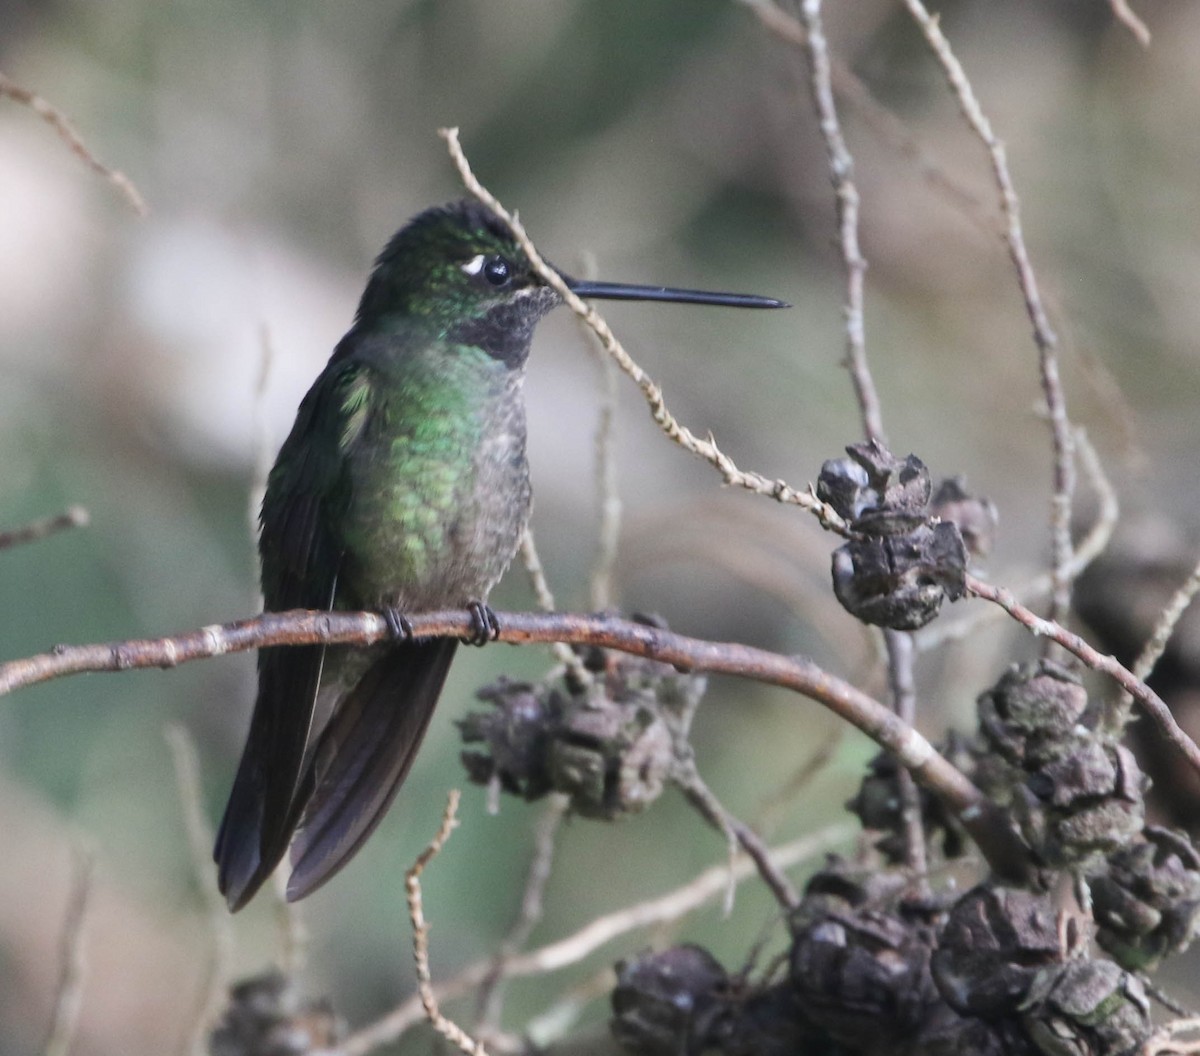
403 486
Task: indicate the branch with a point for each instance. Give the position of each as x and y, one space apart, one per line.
448 1029
57 120
1150 701
1043 334
841 173
986 822
72 517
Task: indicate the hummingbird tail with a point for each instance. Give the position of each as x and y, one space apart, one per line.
261 815
363 756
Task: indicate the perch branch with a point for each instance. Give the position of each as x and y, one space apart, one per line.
72 517
985 821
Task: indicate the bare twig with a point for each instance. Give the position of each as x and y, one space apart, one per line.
1166 1042
448 1029
904 701
574 948
545 599
985 821
1125 15
1150 701
736 831
706 449
1043 333
68 998
608 533
491 993
889 128
1165 625
841 171
1089 548
57 120
72 517
199 837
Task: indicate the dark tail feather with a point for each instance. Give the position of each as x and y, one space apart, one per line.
261 814
363 757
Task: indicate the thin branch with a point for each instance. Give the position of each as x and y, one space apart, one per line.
57 120
1165 625
72 517
1150 701
904 701
1125 15
199 837
541 863
1043 333
448 1029
68 998
1089 548
706 449
545 599
574 948
841 172
608 498
987 823
889 128
736 831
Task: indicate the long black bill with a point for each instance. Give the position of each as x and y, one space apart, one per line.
620 291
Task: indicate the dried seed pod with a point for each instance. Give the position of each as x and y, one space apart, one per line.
669 1003
1087 801
975 516
1146 898
1029 711
878 806
901 562
861 972
1086 1008
993 944
609 745
266 1017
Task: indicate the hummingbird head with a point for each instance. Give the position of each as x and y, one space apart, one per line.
457 270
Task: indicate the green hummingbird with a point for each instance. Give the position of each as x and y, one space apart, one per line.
402 487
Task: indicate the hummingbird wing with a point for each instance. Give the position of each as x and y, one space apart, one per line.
363 756
301 552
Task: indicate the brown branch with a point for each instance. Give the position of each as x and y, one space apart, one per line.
57 120
72 517
1150 701
1043 333
448 1029
986 822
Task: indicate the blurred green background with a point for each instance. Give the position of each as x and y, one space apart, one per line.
279 145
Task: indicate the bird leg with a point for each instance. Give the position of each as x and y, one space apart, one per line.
484 625
399 624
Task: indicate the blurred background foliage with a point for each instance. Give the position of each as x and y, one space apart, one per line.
279 144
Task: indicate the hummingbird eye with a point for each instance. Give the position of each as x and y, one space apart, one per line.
497 271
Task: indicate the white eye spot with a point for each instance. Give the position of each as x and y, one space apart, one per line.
475 265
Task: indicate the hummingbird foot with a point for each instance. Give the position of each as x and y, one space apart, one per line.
484 625
399 624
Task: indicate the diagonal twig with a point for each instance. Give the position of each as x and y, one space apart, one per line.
1043 333
59 121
